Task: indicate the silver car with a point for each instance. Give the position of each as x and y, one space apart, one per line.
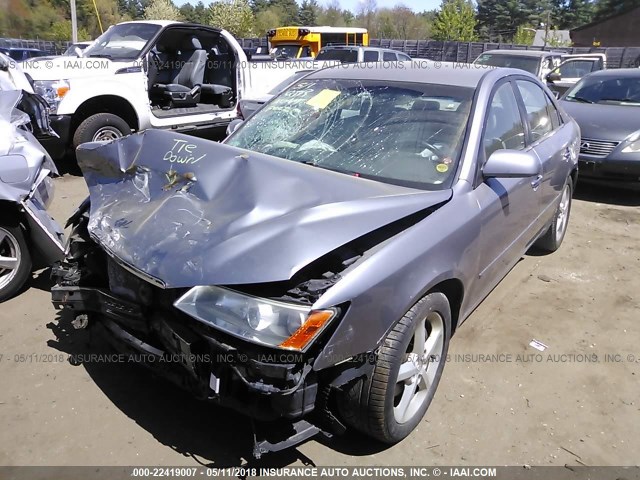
310 271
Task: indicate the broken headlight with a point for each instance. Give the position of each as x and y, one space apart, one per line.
258 320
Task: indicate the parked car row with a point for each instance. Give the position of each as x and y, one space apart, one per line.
559 70
310 270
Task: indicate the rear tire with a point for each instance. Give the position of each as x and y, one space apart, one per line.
15 261
101 126
389 405
552 239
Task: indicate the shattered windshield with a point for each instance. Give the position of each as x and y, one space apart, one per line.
403 133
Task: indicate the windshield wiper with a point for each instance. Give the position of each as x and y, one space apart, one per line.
333 169
100 55
579 99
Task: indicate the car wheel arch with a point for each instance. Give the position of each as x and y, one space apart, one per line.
113 104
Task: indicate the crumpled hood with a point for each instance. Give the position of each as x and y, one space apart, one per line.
604 122
189 211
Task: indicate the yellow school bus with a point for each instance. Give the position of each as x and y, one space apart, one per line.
305 42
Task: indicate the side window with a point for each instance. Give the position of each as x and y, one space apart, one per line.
576 68
370 56
553 113
504 129
404 58
389 57
535 103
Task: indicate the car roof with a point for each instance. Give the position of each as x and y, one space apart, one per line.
427 71
523 53
357 47
617 73
22 49
162 23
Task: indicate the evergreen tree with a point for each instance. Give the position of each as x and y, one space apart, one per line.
456 20
258 5
607 8
309 13
498 20
289 8
572 13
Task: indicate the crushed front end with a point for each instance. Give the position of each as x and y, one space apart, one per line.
276 388
206 262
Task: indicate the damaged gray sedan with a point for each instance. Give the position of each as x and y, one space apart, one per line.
310 270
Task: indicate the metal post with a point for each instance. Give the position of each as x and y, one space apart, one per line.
546 28
74 22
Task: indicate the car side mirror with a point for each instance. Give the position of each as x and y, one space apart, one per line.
511 164
554 77
234 125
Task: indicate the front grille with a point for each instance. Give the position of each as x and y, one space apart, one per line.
597 148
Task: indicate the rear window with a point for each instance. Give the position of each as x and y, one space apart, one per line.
342 55
389 57
529 64
371 56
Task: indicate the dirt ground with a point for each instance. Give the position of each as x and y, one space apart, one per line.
569 405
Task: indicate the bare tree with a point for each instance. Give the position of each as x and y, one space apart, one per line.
366 12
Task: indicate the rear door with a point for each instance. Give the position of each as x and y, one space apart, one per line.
389 57
550 139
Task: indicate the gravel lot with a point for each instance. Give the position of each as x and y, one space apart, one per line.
569 405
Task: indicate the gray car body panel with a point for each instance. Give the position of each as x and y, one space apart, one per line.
466 241
23 156
604 122
24 164
234 216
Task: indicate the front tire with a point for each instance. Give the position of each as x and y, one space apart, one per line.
101 126
15 261
552 239
389 405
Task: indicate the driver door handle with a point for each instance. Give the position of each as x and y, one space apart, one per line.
537 182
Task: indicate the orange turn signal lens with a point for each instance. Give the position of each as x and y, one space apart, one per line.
314 324
62 91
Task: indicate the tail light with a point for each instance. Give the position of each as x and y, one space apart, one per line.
239 111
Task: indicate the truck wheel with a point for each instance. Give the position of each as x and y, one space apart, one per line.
15 261
552 239
390 404
101 126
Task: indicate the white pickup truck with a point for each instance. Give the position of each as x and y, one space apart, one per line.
149 74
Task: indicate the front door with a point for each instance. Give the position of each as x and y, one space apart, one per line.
509 206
